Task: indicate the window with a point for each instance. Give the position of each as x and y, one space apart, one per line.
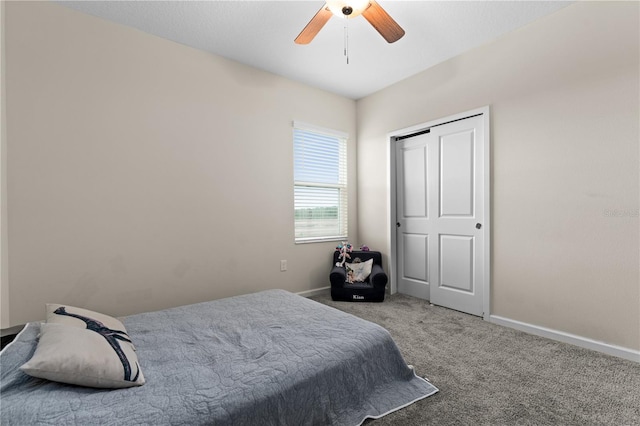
320 183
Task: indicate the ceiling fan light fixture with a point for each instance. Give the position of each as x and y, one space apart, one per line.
348 8
370 9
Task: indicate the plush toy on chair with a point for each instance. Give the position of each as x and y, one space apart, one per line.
357 276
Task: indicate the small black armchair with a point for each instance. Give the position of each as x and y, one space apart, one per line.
371 290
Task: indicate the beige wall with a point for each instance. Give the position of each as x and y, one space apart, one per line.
564 97
144 174
4 289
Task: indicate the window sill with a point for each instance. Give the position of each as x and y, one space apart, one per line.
320 240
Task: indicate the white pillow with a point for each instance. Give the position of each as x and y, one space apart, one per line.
90 349
358 272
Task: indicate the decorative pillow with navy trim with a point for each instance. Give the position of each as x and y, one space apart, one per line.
85 348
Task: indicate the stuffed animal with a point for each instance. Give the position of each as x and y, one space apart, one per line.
350 275
364 248
344 249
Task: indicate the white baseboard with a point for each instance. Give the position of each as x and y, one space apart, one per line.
583 342
314 292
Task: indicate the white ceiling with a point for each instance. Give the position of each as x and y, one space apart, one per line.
260 33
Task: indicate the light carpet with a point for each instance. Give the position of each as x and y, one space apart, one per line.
493 375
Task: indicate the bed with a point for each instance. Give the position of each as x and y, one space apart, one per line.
268 358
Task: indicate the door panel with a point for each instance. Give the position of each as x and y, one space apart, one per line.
416 248
415 184
456 262
412 215
439 209
456 174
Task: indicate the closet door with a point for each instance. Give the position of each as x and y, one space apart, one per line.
440 208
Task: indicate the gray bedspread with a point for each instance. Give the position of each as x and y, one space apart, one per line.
268 358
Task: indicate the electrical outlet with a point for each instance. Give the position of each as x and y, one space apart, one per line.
283 265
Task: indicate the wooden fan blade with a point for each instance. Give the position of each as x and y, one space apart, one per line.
314 26
383 23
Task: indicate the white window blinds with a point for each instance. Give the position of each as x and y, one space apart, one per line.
320 183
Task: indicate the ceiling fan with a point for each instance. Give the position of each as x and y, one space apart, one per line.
370 9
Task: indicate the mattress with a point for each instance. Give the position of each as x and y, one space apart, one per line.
268 358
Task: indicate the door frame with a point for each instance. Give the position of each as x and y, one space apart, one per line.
391 179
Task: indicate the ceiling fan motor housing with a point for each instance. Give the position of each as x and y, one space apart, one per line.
350 8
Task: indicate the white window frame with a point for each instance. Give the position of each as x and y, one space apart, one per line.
340 185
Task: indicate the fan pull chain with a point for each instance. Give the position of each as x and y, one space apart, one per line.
346 39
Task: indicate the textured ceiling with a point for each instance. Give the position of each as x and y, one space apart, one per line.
261 34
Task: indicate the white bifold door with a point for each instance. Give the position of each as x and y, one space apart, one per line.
440 198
